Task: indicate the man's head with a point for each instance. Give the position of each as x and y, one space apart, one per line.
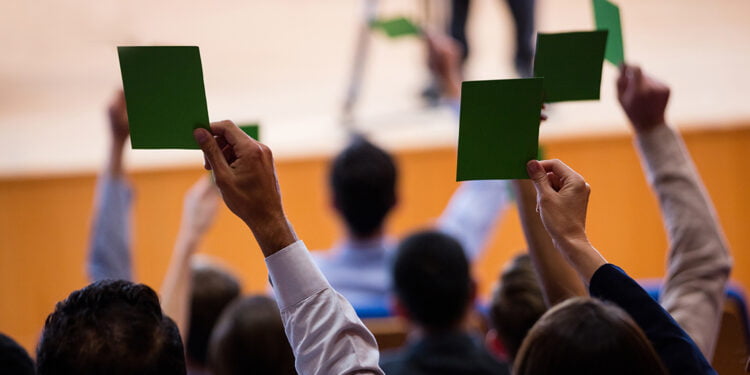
14 360
110 327
249 338
516 304
213 290
587 336
363 182
432 281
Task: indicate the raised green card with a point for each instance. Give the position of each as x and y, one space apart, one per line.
607 17
571 64
253 130
396 27
498 129
165 96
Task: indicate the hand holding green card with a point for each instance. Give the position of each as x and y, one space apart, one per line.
396 27
571 64
165 96
499 128
607 17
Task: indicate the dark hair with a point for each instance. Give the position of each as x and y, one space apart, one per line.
249 339
517 303
110 327
14 360
431 279
587 336
213 290
363 180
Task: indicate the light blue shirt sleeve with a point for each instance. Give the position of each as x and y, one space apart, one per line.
472 213
109 248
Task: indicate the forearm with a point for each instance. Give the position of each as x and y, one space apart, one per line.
559 280
324 332
177 287
699 260
109 247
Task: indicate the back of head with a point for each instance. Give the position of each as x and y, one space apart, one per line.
14 360
110 327
517 303
363 180
431 279
213 290
249 339
587 336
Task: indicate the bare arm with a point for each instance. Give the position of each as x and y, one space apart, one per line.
201 204
559 280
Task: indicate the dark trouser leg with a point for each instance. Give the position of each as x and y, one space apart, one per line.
523 12
457 27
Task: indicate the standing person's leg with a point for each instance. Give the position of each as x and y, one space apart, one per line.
524 15
457 26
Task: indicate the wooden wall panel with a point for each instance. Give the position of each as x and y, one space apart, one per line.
44 222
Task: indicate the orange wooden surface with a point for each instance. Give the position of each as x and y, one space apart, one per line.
44 222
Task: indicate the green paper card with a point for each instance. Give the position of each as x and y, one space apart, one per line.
253 130
607 17
164 94
571 64
396 27
498 128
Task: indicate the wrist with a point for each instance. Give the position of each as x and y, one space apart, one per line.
272 234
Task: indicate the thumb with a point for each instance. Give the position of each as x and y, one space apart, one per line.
212 152
539 177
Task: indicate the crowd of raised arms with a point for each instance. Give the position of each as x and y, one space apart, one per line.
559 308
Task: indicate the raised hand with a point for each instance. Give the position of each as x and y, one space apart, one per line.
118 118
245 175
444 61
643 98
200 207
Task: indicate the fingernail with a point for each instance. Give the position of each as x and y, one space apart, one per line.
201 135
533 167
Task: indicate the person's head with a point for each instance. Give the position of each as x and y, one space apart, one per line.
110 327
432 281
249 339
587 336
213 290
363 184
517 303
14 360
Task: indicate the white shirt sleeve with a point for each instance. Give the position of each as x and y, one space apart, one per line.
325 333
699 260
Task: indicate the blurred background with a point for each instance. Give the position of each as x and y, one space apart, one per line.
287 64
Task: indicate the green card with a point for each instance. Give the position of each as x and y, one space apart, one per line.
164 94
253 130
498 129
607 17
571 64
396 27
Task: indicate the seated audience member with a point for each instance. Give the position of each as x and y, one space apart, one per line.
699 262
324 332
363 184
110 327
249 339
562 201
517 303
435 292
14 360
212 287
587 336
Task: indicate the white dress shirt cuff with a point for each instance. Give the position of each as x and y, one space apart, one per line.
294 275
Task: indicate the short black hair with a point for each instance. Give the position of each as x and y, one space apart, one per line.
14 359
112 327
363 179
517 303
213 290
431 278
249 339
